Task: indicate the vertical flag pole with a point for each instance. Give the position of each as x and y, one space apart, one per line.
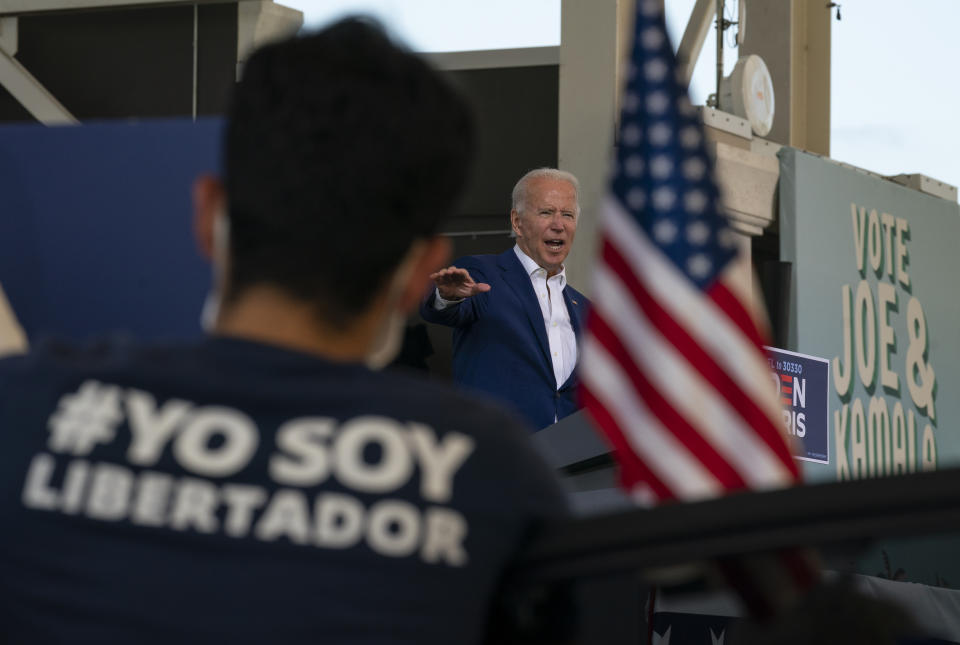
719 49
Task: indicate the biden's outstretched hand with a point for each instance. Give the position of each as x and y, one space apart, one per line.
456 284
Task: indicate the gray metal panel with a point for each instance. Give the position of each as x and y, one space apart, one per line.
36 6
129 63
570 441
496 58
573 441
585 503
516 111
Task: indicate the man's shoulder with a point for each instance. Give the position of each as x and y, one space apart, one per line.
486 260
504 456
433 401
53 367
230 369
53 355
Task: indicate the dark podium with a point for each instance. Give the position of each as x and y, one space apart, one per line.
583 458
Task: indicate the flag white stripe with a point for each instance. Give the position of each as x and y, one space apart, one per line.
663 454
704 321
684 387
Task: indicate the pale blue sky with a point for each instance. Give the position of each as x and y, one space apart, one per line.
894 97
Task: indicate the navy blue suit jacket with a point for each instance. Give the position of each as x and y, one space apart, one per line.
500 340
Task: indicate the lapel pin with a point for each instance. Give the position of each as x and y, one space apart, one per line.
574 301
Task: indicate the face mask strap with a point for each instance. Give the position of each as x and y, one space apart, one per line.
221 253
390 337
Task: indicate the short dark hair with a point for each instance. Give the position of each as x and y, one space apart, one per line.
341 149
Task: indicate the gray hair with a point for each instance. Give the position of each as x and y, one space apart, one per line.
519 196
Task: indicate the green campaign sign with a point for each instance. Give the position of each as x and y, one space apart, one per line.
873 264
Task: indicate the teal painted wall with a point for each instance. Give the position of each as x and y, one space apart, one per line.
894 255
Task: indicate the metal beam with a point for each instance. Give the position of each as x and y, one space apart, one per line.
589 48
693 37
793 38
9 34
263 21
31 93
15 7
810 77
499 58
836 515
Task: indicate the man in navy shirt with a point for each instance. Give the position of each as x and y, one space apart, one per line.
267 484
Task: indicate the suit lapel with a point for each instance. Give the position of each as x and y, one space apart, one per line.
575 307
519 282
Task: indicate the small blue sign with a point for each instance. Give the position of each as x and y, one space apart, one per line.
802 384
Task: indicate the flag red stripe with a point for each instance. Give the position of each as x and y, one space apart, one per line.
632 469
672 421
728 302
700 359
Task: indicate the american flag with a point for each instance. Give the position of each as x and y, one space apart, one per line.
673 370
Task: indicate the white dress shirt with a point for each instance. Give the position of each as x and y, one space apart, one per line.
556 318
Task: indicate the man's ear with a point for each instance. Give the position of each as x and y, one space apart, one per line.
209 200
435 256
515 222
